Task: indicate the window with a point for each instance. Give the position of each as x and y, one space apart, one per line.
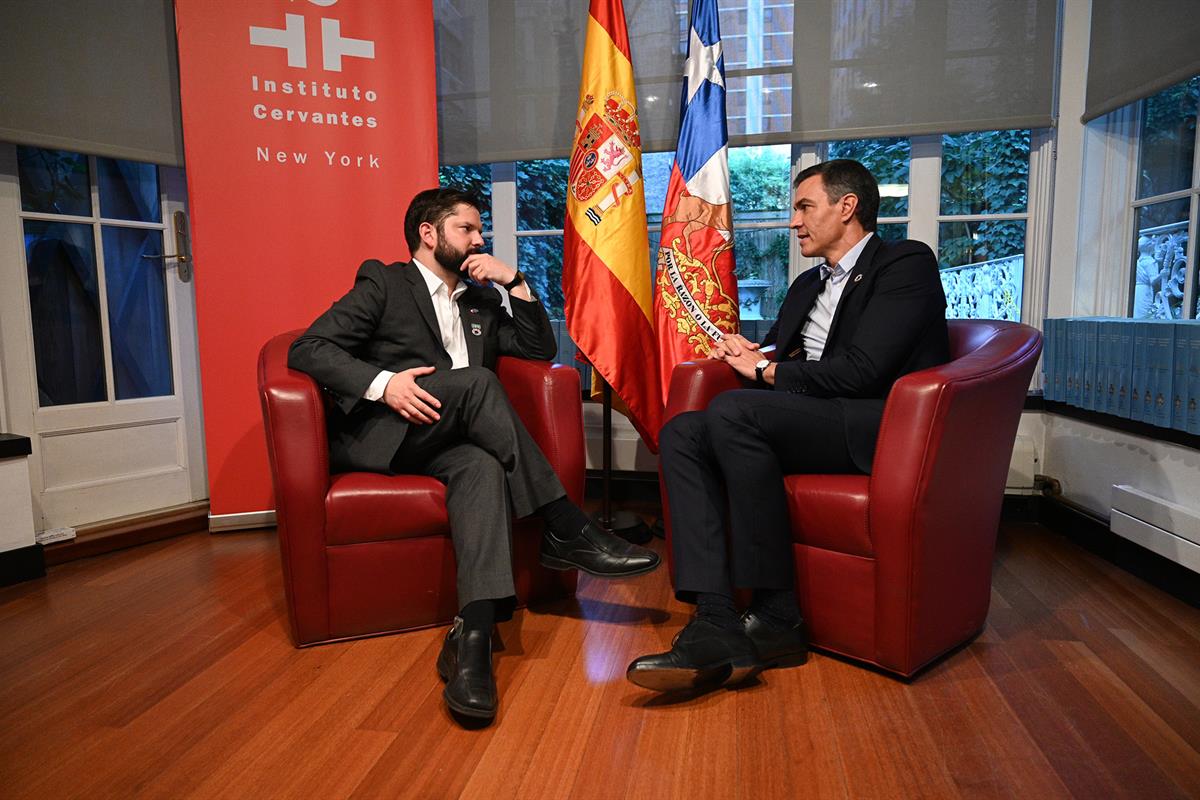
93 234
1164 206
981 228
974 215
888 160
760 185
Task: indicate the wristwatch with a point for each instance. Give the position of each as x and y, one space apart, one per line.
758 370
517 280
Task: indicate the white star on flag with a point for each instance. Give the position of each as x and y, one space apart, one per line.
701 64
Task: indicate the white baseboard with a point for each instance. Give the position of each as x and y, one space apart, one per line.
222 523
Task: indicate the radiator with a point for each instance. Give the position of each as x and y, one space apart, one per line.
1166 528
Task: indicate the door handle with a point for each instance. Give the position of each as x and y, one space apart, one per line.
183 243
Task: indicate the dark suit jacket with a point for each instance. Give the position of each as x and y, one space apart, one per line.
891 320
387 321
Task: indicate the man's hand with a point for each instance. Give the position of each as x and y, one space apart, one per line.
408 399
734 344
743 363
485 268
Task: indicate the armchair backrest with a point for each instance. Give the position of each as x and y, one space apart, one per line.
940 465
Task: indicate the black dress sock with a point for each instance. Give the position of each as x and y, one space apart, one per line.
718 609
564 517
479 615
777 606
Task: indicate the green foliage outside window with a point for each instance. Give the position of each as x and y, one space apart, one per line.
760 182
475 178
541 194
983 172
760 188
888 161
1168 139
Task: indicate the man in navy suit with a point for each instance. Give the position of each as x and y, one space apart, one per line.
874 311
407 356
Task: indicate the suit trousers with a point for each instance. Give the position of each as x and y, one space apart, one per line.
492 468
728 462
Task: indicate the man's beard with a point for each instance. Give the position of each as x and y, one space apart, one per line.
449 257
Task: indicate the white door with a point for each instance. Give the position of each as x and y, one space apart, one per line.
98 357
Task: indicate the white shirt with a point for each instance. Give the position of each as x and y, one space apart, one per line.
445 306
816 329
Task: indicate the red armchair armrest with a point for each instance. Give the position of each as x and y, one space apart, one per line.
547 399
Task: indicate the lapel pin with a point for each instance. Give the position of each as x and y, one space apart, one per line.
858 277
476 329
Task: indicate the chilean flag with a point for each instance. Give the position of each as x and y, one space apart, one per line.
696 298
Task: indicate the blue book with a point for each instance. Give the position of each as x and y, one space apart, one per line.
1192 412
1162 348
1140 395
1124 367
1090 374
1049 358
1057 382
1106 366
1074 359
1179 373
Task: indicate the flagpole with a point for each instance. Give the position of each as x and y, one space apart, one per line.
625 524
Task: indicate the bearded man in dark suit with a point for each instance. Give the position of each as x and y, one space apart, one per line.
846 332
408 357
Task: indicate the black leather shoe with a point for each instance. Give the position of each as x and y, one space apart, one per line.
776 646
702 654
465 663
596 552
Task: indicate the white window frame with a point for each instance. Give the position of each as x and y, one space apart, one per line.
1192 194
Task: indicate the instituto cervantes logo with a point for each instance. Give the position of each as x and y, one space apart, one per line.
602 164
304 95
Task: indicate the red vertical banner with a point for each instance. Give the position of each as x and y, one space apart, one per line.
308 126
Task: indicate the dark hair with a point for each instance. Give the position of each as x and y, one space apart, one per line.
843 176
433 205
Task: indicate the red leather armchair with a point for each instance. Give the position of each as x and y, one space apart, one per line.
894 568
367 554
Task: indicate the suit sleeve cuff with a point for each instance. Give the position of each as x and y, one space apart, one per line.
375 390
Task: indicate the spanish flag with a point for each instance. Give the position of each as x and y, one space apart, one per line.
606 258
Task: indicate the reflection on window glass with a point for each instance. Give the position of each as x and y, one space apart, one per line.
760 182
758 103
893 231
888 161
1168 140
656 170
64 302
54 182
541 194
762 271
541 259
474 178
1160 260
983 266
985 172
962 243
137 313
128 190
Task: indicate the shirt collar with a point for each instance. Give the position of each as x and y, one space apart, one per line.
851 258
433 282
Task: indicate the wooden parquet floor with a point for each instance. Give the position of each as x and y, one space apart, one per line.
165 671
